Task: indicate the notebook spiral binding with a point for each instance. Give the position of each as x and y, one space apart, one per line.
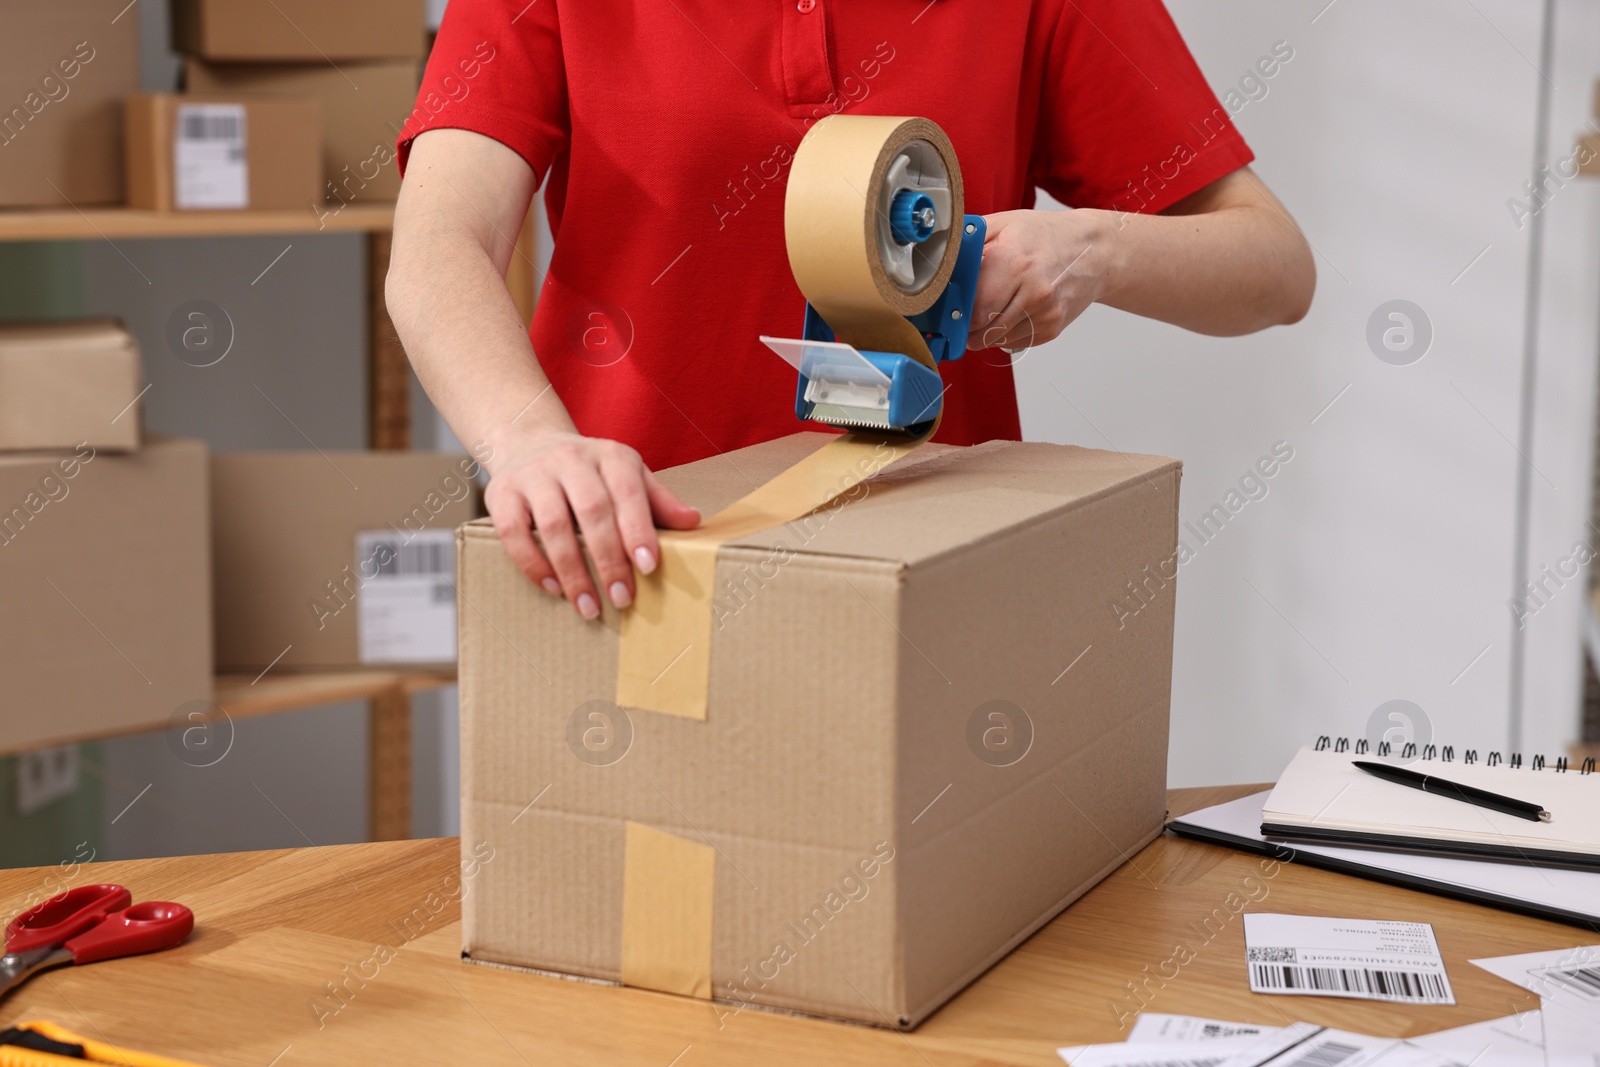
1448 754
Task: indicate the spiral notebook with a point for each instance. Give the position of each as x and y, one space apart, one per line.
1323 798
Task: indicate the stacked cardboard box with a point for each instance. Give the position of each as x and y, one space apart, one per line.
106 581
65 384
338 559
104 560
222 152
359 59
64 69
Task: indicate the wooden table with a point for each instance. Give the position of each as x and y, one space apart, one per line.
277 927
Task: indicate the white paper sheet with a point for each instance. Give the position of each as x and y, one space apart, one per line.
1514 1041
1130 1053
1154 1026
1568 983
1303 1045
1362 959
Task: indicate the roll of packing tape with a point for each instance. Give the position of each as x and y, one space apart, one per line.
837 225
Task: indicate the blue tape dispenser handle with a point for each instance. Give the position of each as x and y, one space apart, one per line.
904 396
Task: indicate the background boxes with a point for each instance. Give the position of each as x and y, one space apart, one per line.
63 384
938 715
64 69
106 580
284 529
316 30
223 152
363 107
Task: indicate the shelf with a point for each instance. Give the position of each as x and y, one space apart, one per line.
121 222
242 696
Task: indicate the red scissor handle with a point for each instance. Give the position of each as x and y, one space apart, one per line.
65 916
145 927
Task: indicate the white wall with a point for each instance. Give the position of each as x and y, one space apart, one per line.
1379 564
1561 405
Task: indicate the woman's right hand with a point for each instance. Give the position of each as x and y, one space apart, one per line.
562 483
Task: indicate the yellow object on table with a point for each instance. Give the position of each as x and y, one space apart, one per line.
93 1051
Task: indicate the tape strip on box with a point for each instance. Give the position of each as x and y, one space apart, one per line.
667 887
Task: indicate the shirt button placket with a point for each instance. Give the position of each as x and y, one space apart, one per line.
807 71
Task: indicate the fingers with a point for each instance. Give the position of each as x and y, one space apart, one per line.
994 224
673 513
592 505
600 491
624 477
557 531
514 523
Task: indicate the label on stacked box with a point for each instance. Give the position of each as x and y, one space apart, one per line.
407 605
209 161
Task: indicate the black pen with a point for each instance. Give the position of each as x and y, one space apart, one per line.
1482 798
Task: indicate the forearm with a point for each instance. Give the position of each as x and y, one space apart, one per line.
467 342
460 208
1227 270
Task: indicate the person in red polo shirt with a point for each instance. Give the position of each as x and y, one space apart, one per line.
662 132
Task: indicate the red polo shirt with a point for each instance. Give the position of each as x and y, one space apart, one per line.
663 131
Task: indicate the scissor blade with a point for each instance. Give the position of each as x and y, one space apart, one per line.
18 967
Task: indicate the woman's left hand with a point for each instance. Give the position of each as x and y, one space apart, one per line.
1041 269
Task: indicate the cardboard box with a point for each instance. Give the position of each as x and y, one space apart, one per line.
363 107
64 69
310 30
105 574
938 714
63 384
292 587
223 152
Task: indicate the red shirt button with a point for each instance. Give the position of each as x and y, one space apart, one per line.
806 6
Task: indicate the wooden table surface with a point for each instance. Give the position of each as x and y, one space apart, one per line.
274 928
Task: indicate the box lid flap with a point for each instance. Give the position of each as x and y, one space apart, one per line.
936 499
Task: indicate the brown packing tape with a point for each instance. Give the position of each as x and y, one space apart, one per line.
667 887
664 651
832 219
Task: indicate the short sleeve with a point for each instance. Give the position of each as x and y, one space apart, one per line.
1127 121
496 69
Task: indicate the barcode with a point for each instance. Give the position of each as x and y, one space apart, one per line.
200 126
1270 954
1584 981
427 557
1324 1054
1409 985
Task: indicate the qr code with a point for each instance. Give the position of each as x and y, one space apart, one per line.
1272 955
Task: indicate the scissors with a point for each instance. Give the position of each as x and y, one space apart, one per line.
87 924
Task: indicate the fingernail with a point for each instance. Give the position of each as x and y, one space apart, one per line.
620 595
587 606
645 559
551 586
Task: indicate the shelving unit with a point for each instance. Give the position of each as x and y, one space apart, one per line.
121 222
387 692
